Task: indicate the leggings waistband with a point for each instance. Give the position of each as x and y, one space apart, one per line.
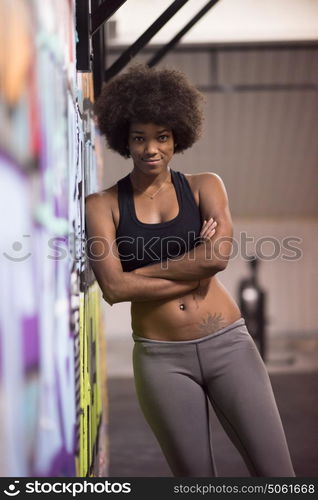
231 326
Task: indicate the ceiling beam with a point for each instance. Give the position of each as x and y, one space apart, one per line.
166 48
104 12
131 51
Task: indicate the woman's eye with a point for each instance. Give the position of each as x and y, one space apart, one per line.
163 138
138 139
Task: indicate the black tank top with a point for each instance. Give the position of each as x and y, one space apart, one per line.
140 244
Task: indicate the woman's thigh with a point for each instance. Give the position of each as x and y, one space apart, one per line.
240 391
176 408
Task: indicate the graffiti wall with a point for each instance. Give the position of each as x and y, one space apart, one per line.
51 369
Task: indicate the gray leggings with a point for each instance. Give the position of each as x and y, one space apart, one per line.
174 381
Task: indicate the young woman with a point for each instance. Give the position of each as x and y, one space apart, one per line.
158 238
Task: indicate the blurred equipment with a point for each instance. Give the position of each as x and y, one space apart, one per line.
251 298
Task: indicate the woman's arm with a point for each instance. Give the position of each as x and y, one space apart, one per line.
102 251
212 255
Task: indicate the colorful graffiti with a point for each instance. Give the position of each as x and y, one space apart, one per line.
51 398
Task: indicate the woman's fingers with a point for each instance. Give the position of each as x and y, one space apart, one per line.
208 234
208 228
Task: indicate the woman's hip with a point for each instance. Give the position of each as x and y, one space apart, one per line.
191 357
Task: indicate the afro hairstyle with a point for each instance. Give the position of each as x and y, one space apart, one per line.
148 95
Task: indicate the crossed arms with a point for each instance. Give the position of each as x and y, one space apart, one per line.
179 276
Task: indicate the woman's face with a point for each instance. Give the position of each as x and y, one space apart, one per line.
151 146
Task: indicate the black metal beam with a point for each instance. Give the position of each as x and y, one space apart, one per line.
104 12
129 53
98 49
162 52
83 45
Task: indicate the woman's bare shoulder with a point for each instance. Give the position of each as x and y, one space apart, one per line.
106 196
199 179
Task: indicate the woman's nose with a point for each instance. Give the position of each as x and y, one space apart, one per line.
151 147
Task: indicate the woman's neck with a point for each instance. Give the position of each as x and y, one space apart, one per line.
143 180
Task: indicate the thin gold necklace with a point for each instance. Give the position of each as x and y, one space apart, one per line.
151 196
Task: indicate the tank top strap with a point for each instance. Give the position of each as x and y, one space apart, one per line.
183 186
123 189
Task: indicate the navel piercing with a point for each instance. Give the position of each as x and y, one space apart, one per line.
181 306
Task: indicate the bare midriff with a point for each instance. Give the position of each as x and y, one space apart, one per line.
203 311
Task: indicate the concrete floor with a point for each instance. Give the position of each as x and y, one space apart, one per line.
134 452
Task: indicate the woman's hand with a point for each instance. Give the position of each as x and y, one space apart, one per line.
208 229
